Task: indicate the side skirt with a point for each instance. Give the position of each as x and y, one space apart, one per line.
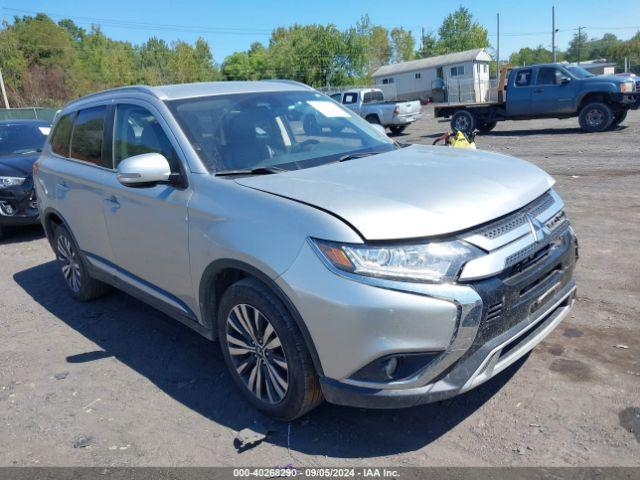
111 274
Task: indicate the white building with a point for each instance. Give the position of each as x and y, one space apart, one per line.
455 77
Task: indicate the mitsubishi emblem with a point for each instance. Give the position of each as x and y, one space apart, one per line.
538 230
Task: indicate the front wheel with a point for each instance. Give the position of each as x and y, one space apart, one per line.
265 352
397 129
595 117
79 282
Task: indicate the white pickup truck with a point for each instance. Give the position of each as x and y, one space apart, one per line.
370 104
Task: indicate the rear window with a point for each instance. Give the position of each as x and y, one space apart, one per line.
523 78
373 97
86 139
61 135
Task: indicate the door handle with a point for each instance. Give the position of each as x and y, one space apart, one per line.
538 90
113 202
62 186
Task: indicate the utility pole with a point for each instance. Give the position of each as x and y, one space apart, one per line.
579 42
498 47
553 33
4 92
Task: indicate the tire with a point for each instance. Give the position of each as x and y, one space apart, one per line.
618 118
397 129
284 385
79 282
464 121
486 126
373 119
595 117
310 125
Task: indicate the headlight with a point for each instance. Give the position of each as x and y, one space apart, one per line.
11 181
626 87
426 262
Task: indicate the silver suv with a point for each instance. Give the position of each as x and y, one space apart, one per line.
334 264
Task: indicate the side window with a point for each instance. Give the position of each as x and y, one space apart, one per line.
61 136
137 131
523 78
457 71
86 139
336 96
548 76
350 98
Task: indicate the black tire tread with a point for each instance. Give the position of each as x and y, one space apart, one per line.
583 123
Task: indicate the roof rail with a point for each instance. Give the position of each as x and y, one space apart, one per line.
285 80
132 88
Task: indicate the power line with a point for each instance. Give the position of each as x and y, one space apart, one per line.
149 26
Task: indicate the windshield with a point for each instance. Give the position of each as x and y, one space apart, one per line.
287 130
16 139
580 72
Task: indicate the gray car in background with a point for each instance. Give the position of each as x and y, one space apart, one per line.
329 264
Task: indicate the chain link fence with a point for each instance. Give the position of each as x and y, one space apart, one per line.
469 90
30 113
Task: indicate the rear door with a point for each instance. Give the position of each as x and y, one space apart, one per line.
148 226
519 93
71 177
550 94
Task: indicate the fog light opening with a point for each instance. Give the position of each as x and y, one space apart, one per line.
7 209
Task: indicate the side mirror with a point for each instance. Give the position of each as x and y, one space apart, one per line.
379 128
564 80
143 169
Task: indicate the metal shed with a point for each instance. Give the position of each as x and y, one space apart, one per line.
459 77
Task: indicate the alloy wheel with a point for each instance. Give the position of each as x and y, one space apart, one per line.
69 263
595 117
462 124
257 354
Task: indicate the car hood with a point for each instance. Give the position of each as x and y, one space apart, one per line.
606 78
17 165
413 192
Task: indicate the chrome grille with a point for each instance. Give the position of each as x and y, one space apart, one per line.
516 219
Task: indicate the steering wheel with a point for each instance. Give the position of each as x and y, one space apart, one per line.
300 147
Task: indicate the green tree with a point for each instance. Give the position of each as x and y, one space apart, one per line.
579 48
530 56
428 46
403 44
237 66
153 58
460 32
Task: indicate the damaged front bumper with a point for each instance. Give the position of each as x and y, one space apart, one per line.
514 311
18 205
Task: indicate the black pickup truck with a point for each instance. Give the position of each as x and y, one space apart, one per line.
550 91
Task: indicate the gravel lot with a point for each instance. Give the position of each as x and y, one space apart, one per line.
115 382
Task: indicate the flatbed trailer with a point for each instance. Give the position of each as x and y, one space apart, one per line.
548 91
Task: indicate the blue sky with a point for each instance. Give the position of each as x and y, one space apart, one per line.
232 25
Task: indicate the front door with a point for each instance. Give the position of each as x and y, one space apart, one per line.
550 94
148 226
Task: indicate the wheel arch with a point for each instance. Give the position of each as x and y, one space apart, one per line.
591 97
52 218
221 274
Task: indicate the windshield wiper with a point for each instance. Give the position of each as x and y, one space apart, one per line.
352 156
250 171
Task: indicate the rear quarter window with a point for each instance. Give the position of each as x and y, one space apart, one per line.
61 135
